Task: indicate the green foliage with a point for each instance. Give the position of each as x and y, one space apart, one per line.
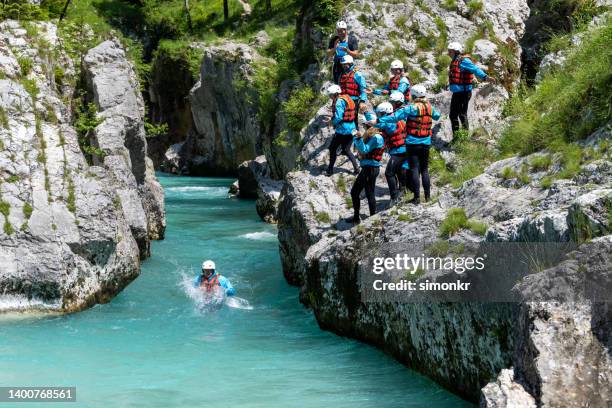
5 208
568 105
299 108
4 120
541 163
86 120
341 184
450 5
477 227
155 130
455 220
474 7
8 228
25 64
27 210
180 54
322 217
71 199
404 218
12 178
30 86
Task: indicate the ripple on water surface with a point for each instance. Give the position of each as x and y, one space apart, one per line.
152 346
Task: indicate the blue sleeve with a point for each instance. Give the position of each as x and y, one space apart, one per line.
225 283
404 85
400 114
468 65
388 127
365 148
379 91
360 79
197 281
369 115
337 119
435 114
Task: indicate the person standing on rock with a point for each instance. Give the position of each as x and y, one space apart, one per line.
460 77
394 134
370 148
340 45
353 84
398 81
419 116
344 111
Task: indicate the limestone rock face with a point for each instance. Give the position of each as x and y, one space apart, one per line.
68 237
254 181
224 108
463 346
112 81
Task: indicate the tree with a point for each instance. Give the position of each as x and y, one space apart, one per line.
268 6
188 13
225 11
65 10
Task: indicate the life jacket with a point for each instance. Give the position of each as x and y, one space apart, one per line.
375 154
349 111
457 76
394 82
420 126
397 138
210 285
348 84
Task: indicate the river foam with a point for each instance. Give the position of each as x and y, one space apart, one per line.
259 236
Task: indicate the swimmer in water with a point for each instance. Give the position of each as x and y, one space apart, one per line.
209 280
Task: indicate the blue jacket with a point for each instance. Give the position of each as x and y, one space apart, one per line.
467 65
223 282
342 127
375 142
403 87
360 79
405 113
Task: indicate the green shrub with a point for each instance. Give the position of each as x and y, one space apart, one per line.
568 105
13 178
541 163
322 217
25 64
477 227
455 220
475 6
27 210
5 208
450 5
4 119
86 120
71 199
299 108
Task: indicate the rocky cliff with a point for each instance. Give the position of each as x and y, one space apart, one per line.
224 105
520 354
74 231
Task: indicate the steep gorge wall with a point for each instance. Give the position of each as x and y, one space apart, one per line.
74 233
520 354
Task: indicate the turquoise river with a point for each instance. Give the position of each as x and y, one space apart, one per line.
153 347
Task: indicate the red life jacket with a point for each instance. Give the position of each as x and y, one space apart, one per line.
375 154
348 84
210 285
349 111
394 85
420 126
457 76
397 138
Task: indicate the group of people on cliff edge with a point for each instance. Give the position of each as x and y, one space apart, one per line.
401 126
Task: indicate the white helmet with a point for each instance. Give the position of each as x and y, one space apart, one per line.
397 64
334 90
396 97
347 59
341 25
418 91
455 46
208 265
385 108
